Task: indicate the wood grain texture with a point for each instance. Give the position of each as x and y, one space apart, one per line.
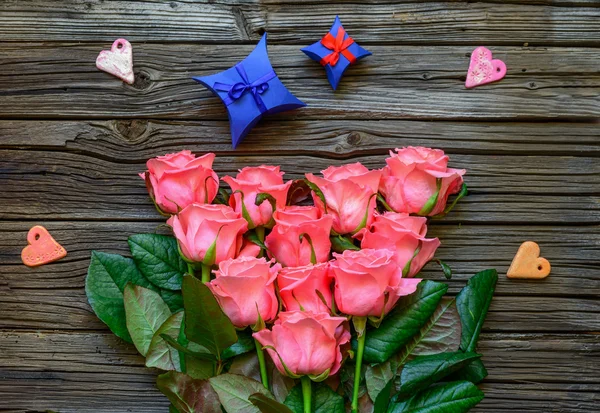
72 363
518 189
136 140
574 253
395 83
301 22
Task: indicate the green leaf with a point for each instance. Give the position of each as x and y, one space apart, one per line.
446 269
410 314
340 244
453 397
234 391
324 399
244 344
474 372
157 257
188 395
205 322
317 192
174 300
203 354
268 405
145 312
160 354
173 409
104 285
378 376
424 371
383 398
473 303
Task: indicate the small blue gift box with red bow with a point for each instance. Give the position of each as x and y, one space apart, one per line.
336 51
250 90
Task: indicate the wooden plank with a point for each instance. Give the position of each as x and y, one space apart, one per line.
52 296
395 83
135 140
84 372
301 22
68 185
573 251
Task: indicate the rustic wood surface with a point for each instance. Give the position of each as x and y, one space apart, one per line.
72 140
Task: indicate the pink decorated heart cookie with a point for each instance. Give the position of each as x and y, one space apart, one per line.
42 248
483 69
118 61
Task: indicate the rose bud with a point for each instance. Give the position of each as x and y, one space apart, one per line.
250 182
244 287
177 180
300 234
369 282
208 233
405 236
350 195
298 288
418 181
304 343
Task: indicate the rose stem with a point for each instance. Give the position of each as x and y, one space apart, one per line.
261 362
205 273
306 394
260 233
190 269
357 370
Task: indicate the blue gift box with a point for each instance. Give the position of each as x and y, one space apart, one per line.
336 51
250 90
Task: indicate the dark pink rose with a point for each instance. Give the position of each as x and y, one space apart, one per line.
364 278
304 343
208 233
179 179
405 236
417 180
298 286
284 242
244 287
250 182
349 193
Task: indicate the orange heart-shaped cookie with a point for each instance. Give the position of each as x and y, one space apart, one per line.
42 248
528 263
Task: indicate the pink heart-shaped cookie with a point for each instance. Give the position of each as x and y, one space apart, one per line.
42 248
118 61
483 69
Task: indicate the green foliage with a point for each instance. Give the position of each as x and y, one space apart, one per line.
104 285
157 257
453 397
234 391
188 395
398 327
174 300
324 399
205 322
340 244
160 354
268 405
424 371
145 312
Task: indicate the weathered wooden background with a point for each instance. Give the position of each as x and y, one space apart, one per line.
72 140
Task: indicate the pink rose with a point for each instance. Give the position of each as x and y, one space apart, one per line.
245 286
208 233
304 343
298 286
349 195
364 278
179 179
284 242
405 236
252 181
418 181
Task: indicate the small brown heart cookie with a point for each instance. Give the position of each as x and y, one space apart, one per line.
528 263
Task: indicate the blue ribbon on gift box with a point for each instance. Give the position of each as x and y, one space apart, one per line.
235 91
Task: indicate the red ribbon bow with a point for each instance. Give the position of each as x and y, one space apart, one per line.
338 46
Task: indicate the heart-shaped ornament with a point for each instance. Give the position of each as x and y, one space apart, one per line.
483 69
42 248
528 263
118 61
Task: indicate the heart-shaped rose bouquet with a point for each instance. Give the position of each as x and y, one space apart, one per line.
299 296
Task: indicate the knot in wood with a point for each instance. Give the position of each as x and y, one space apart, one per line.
354 138
131 129
142 80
